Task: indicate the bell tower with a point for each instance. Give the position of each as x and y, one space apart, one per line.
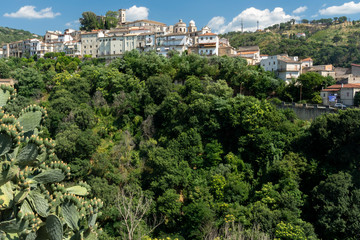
122 16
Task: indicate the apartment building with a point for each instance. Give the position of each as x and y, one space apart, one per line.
90 43
286 67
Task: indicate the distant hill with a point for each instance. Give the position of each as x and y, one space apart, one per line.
337 44
11 35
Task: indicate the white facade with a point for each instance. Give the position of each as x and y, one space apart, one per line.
89 43
208 44
285 67
177 42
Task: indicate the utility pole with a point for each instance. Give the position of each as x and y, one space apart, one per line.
257 25
242 26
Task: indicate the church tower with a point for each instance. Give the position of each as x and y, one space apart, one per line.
122 16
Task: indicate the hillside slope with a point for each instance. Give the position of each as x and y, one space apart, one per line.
337 44
11 35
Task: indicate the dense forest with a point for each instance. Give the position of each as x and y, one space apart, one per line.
188 147
327 41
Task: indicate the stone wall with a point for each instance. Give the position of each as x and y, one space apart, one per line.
307 111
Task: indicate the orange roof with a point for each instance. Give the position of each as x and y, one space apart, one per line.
248 52
356 65
331 90
337 87
306 59
208 34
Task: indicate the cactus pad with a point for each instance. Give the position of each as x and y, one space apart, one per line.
5 143
30 120
50 176
77 190
27 154
4 97
39 203
7 172
6 196
13 226
71 215
54 228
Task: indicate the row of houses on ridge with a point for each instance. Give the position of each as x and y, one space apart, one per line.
142 35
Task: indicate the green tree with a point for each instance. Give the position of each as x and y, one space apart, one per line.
30 82
89 21
111 19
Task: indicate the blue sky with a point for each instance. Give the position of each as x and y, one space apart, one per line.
38 16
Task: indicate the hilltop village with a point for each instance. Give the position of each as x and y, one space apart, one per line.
142 35
148 35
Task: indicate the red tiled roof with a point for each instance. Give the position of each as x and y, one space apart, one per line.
331 90
337 87
248 52
306 59
356 65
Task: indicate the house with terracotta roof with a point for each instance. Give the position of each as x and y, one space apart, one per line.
307 62
343 93
208 44
250 53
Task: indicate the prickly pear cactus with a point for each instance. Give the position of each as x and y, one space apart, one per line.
33 202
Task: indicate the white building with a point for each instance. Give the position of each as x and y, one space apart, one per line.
90 44
284 66
175 41
208 44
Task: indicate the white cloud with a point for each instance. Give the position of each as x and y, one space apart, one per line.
300 10
136 13
346 8
249 17
30 13
75 23
216 23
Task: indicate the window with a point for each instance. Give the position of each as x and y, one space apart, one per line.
324 95
114 52
347 94
210 38
274 63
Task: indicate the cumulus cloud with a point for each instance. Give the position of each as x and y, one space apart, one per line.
136 13
346 8
29 12
75 23
300 10
249 17
216 23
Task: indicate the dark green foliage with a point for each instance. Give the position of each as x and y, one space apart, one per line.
336 206
30 82
196 136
